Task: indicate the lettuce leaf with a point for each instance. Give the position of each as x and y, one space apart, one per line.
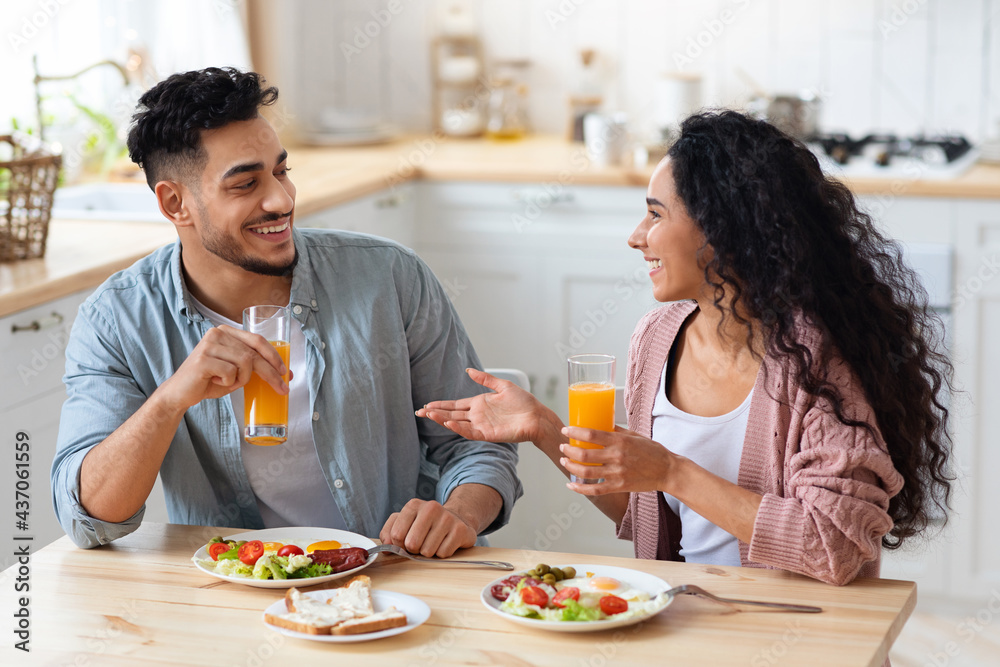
574 611
233 568
314 570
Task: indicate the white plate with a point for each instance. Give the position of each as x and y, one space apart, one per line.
638 580
302 537
416 613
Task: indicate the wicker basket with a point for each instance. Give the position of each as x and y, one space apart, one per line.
27 184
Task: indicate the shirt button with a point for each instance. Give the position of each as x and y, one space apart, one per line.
297 310
313 302
315 416
339 483
322 345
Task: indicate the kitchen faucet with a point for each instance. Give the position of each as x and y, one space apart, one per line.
39 78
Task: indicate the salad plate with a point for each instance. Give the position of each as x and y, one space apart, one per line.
416 610
298 536
628 578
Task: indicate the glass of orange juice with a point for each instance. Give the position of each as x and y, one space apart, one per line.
265 411
591 399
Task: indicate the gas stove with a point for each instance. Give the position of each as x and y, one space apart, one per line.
892 156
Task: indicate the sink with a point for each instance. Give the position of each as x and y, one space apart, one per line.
107 201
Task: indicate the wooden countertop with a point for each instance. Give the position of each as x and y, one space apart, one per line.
329 176
141 601
80 254
83 254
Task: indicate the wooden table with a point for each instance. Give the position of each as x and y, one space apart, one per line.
140 601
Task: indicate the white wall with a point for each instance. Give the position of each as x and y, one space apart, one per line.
900 65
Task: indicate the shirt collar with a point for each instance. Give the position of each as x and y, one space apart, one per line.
183 300
303 278
303 291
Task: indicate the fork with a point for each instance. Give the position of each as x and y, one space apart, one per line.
690 589
399 551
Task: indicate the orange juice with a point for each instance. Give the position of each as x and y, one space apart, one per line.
263 406
591 405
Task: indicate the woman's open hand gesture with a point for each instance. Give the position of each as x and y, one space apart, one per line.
509 414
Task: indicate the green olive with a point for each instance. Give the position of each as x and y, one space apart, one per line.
533 573
558 573
569 572
542 568
217 538
549 579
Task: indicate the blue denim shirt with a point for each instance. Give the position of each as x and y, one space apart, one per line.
383 339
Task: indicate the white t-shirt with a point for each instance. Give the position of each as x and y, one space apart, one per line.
714 443
286 479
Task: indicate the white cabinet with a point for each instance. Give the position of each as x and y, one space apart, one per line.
492 295
33 342
388 214
540 273
594 303
976 311
33 360
536 274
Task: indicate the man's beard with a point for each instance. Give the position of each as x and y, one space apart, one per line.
222 246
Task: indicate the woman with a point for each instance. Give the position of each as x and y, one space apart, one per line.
783 405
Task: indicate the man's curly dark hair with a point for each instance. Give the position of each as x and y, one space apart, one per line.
165 137
788 243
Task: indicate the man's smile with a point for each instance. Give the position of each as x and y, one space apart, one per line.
272 229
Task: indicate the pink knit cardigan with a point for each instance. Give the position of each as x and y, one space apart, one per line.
825 486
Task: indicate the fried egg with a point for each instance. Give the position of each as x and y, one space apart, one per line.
592 589
325 545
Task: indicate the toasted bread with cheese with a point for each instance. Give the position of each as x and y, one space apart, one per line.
348 611
354 593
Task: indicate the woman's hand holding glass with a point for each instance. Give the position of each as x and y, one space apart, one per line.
509 414
630 461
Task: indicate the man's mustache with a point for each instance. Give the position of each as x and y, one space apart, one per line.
270 217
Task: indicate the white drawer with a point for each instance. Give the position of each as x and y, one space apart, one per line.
33 348
522 216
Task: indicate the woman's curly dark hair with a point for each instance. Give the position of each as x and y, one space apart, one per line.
165 137
789 242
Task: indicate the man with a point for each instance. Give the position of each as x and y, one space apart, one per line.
157 359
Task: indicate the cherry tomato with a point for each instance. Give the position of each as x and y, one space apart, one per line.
568 593
216 548
534 595
290 550
612 604
272 546
251 552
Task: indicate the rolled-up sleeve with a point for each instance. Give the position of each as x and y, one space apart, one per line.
101 396
440 351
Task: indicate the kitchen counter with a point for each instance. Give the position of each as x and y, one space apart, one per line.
326 177
80 254
329 176
83 254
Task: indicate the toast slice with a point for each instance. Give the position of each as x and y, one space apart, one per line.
383 620
304 625
354 593
348 611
